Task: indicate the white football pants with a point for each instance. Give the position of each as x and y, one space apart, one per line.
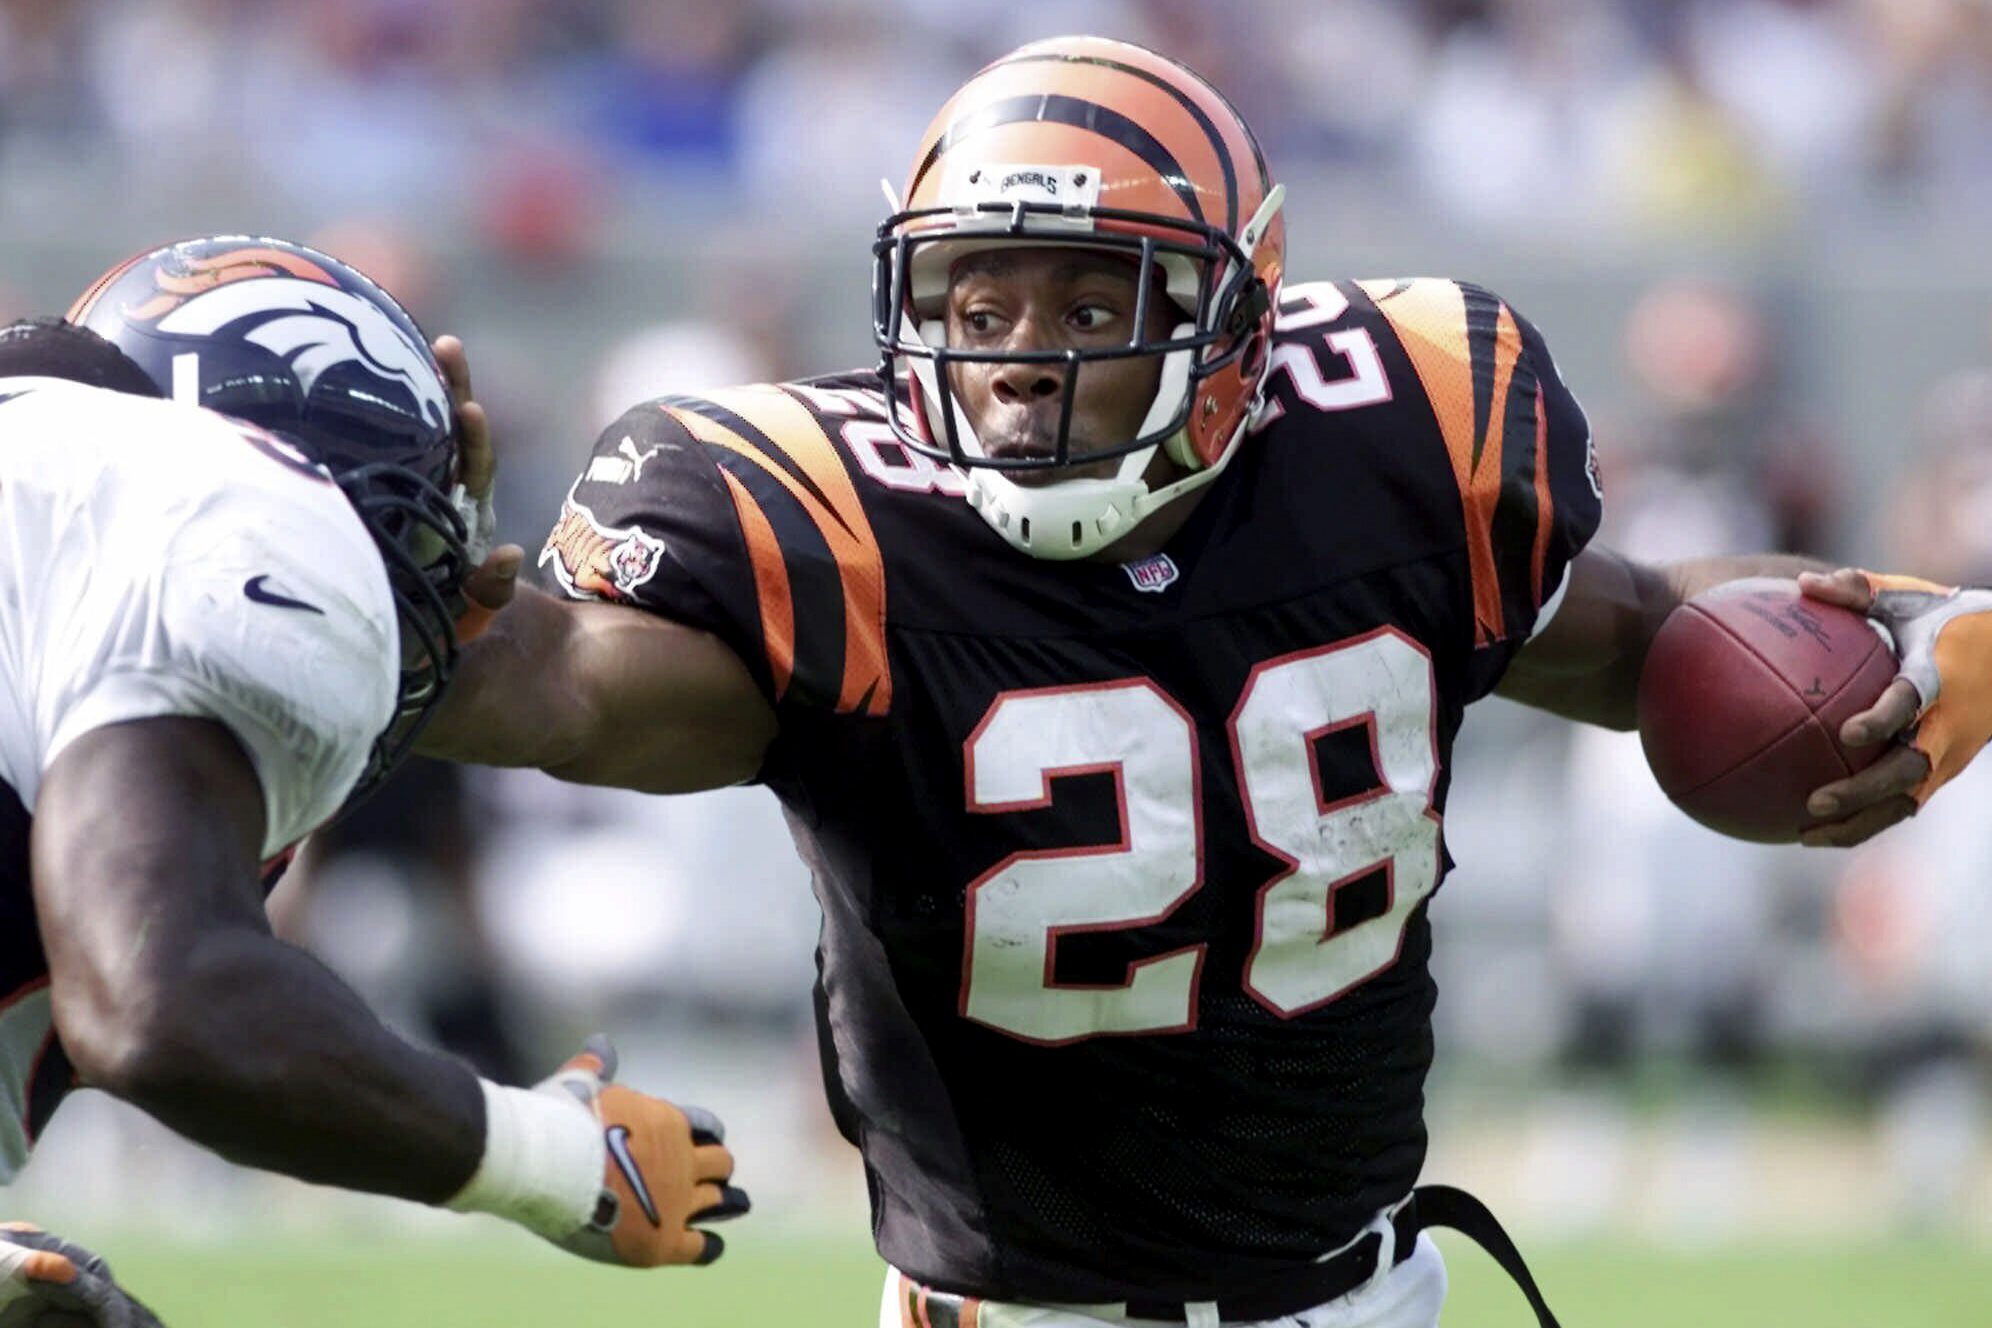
1409 1296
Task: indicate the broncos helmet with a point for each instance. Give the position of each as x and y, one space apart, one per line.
298 343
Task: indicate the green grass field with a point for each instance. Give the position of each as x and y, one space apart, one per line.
767 1282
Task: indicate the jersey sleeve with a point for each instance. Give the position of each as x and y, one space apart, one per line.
274 619
736 514
1520 450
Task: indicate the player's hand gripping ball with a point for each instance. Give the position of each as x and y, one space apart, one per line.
46 1282
1741 700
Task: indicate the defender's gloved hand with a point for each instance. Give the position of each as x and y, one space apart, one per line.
602 1170
46 1282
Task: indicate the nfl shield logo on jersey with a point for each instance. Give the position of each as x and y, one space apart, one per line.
1154 573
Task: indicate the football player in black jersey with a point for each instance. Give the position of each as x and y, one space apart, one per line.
1106 647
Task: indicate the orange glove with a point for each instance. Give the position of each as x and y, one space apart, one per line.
46 1280
667 1168
1943 636
601 1170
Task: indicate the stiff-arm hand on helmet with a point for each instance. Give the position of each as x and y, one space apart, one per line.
1943 636
490 585
604 1171
46 1282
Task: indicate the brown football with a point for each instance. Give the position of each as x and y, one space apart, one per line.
1741 701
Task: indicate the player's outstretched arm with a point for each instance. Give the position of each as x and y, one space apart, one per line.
601 694
170 991
1585 664
595 693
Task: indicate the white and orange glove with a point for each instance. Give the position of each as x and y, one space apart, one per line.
604 1171
46 1282
1943 638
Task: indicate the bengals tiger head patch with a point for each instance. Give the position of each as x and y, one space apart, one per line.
594 561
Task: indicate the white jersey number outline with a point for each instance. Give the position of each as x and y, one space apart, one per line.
1017 910
1365 383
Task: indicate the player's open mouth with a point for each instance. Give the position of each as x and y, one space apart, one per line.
1016 450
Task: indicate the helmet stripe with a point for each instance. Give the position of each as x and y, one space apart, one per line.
1189 104
80 311
1088 115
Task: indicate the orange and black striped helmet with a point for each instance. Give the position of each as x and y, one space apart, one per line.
1085 141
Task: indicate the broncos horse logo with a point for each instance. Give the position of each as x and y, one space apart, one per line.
302 315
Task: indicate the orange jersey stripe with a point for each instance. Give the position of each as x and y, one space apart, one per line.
771 583
1429 318
867 681
1493 623
1545 501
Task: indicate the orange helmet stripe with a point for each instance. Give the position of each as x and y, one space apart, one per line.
1188 103
1180 128
1090 116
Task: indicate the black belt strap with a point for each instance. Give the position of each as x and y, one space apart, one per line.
1445 1206
1429 1206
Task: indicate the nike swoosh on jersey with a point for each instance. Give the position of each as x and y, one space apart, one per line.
262 594
618 1140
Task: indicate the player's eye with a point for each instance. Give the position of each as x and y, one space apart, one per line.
1092 317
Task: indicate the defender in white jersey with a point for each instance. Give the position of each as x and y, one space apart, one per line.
164 561
215 625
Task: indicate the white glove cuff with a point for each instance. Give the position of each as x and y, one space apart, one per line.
543 1162
13 1284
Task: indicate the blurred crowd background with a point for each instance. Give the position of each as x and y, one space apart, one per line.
1753 230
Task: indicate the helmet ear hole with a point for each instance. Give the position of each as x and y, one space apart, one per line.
1252 360
1250 306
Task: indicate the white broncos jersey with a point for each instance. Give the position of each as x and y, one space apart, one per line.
158 559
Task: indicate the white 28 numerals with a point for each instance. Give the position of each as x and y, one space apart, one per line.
1301 959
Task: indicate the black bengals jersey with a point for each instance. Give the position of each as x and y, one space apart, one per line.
1124 869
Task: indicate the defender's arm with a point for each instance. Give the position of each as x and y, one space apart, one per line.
170 991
